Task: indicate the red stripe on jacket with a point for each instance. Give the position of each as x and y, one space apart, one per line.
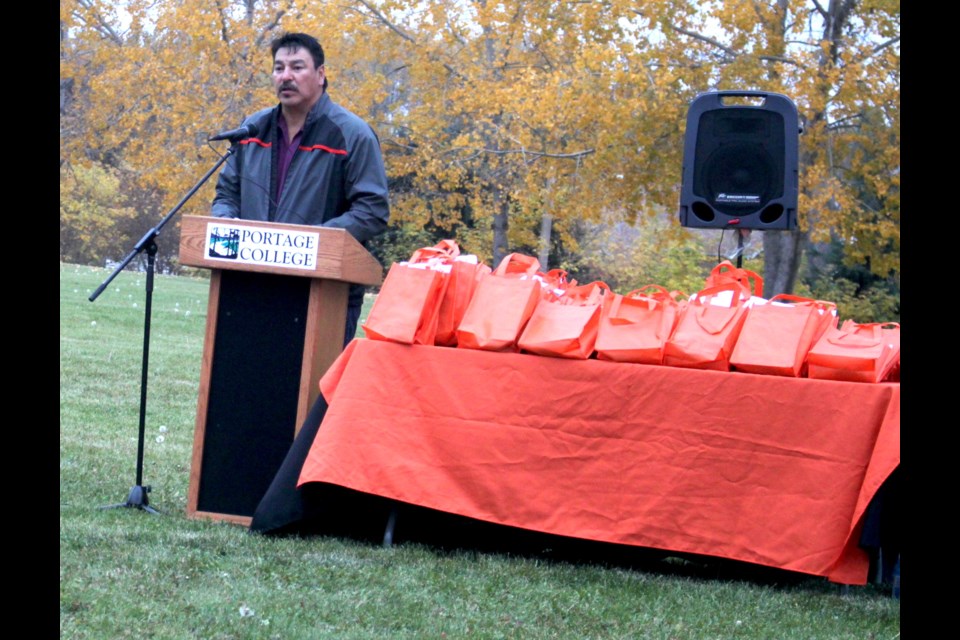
320 147
258 141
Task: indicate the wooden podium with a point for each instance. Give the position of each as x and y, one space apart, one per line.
275 322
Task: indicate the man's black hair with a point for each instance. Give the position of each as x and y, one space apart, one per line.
294 41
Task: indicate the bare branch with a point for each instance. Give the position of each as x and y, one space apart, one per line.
820 9
455 33
851 121
409 147
883 45
539 154
702 38
103 27
781 59
224 31
850 126
273 24
803 43
852 116
376 14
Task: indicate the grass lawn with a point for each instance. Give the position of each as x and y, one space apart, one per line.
127 574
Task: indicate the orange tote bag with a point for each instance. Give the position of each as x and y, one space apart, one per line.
725 273
565 325
502 303
462 274
856 352
407 309
465 273
444 251
777 336
635 327
707 332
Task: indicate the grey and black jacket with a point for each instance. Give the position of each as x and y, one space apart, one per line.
336 179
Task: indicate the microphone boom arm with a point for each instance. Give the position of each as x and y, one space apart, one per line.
152 234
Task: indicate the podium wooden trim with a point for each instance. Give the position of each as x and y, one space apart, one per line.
295 279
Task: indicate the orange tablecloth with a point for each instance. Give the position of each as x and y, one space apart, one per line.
769 470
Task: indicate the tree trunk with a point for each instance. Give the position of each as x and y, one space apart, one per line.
782 251
546 232
501 217
501 221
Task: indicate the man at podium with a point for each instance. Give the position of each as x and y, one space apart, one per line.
307 160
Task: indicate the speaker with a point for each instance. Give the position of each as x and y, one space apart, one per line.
740 161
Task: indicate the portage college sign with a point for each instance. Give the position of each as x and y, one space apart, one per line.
248 245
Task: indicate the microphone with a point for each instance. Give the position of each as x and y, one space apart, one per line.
234 135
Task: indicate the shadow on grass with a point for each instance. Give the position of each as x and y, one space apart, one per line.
343 513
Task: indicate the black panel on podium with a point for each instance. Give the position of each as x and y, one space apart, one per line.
254 384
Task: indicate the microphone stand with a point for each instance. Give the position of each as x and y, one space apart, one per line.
137 498
739 248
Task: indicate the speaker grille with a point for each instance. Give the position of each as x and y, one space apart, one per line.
739 165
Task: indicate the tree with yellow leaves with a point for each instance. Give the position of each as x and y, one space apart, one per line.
509 124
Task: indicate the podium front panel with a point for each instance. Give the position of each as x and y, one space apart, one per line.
254 388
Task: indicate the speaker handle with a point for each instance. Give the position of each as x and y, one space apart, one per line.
765 95
718 96
745 93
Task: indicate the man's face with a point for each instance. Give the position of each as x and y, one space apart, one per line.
297 82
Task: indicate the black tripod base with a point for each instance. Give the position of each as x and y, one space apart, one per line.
136 500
